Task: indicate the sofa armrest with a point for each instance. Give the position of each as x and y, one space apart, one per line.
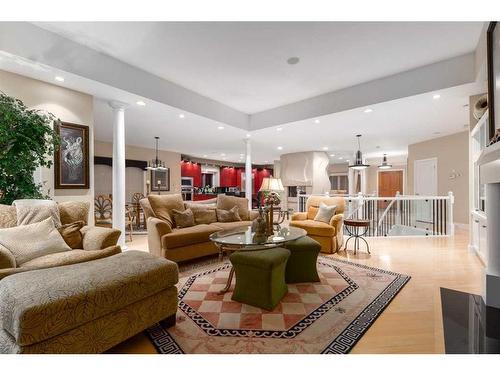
336 222
156 230
98 238
253 215
299 216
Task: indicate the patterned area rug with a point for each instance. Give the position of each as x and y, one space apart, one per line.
325 317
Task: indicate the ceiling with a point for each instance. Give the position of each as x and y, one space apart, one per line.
235 62
243 64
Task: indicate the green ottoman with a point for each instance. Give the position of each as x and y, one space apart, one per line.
260 276
301 266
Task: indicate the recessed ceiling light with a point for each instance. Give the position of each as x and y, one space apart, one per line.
436 96
220 127
332 155
182 115
316 121
280 148
141 103
222 154
205 156
325 148
293 60
248 135
59 79
368 110
347 161
340 157
279 129
266 161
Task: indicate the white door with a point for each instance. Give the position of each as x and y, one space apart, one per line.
425 184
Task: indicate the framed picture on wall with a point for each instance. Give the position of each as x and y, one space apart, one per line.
493 51
72 157
160 180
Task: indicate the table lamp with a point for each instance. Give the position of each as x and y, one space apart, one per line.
271 186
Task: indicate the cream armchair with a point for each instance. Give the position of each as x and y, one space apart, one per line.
330 235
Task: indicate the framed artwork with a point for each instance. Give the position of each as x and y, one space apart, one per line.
72 157
160 180
493 51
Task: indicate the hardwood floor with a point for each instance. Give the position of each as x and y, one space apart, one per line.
412 321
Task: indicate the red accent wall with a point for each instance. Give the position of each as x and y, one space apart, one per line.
228 176
191 170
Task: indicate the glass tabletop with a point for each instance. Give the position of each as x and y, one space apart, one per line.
244 237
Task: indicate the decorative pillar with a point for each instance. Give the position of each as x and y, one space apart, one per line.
248 173
119 169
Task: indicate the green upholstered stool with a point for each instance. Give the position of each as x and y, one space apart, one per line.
301 266
260 276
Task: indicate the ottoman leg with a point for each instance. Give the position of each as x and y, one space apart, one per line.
169 321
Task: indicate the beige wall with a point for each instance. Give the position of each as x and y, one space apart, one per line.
67 105
171 159
452 153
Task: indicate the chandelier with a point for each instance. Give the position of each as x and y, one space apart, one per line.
358 164
156 164
385 164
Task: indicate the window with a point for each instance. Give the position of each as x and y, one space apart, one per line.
339 182
293 191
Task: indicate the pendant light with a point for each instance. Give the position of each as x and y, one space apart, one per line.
384 164
358 164
156 164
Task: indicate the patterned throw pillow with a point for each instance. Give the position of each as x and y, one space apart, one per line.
228 216
325 213
183 219
27 242
71 234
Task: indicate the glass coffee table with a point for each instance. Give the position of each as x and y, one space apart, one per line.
243 239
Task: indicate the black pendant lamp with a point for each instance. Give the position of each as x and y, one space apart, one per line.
358 164
385 164
156 164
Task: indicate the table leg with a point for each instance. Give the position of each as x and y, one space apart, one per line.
228 283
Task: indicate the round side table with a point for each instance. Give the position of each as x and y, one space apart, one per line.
357 228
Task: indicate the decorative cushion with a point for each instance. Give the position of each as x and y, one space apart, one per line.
8 217
183 219
31 211
31 241
162 206
203 213
228 216
226 202
73 211
325 213
71 234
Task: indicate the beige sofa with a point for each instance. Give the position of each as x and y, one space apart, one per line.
97 242
330 235
180 244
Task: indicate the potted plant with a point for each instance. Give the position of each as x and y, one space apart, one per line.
27 141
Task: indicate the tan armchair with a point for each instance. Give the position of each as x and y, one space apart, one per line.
330 235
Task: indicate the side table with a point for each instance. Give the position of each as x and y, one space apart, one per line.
357 228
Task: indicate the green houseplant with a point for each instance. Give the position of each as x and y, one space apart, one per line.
27 141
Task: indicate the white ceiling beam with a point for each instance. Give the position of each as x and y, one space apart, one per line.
44 47
445 74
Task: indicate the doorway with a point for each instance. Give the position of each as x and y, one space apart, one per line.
390 182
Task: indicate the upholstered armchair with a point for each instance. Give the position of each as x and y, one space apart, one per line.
330 235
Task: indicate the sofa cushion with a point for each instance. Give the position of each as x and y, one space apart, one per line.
228 216
204 213
71 234
41 304
188 236
226 202
315 228
72 211
8 217
183 219
71 257
233 225
31 211
163 205
31 241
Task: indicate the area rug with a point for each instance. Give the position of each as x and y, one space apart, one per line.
329 316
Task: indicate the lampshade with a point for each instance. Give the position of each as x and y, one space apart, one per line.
271 184
385 164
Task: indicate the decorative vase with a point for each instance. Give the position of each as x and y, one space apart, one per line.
480 107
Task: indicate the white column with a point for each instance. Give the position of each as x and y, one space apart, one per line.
119 169
248 173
